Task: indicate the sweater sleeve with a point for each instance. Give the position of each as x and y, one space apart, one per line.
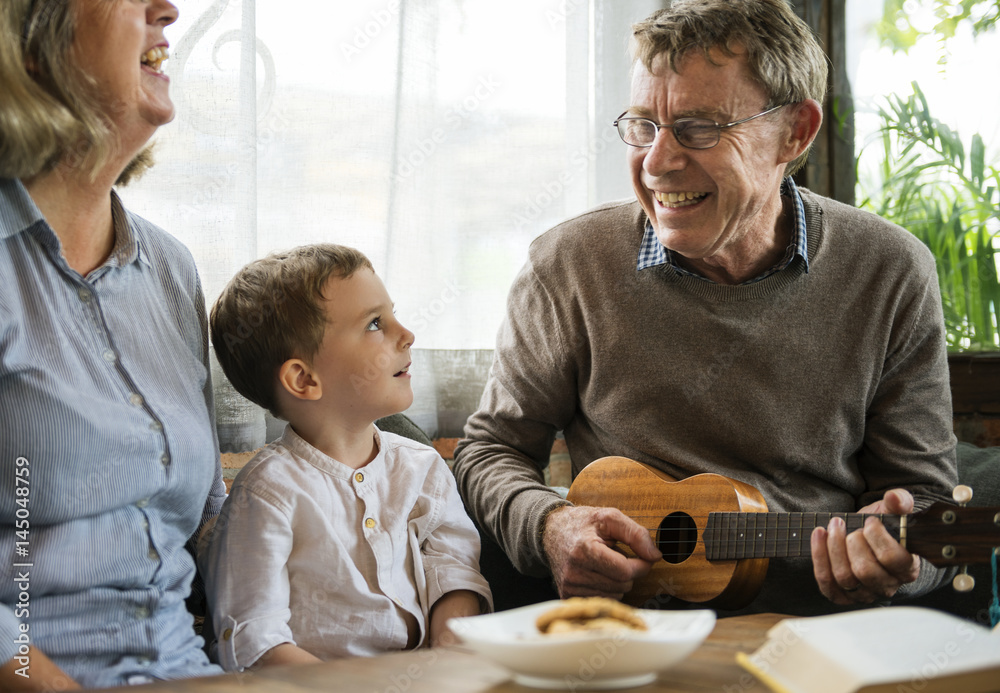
908 438
530 394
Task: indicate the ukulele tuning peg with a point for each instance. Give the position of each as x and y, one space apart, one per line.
962 494
963 582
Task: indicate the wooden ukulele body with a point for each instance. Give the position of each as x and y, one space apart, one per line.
675 513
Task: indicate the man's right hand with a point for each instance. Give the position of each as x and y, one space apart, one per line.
579 544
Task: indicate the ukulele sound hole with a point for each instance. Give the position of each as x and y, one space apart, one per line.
677 537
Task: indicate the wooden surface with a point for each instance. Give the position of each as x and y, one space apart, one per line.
712 667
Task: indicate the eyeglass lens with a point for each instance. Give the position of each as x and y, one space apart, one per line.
690 132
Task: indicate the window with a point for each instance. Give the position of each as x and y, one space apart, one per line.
438 136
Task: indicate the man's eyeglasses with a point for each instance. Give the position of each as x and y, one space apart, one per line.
693 133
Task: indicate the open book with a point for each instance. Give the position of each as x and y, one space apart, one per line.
899 649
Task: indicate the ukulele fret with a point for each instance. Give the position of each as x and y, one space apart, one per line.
737 535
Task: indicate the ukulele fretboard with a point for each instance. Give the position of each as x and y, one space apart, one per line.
730 536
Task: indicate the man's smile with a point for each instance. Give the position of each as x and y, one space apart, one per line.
673 200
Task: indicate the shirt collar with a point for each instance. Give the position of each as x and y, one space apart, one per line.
17 210
127 248
653 253
18 213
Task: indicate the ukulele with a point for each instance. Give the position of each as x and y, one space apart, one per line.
716 534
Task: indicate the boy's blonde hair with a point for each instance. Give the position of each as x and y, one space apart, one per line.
49 112
782 53
272 310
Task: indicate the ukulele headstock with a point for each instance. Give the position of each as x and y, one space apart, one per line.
949 535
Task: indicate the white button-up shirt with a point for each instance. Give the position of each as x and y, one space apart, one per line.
310 551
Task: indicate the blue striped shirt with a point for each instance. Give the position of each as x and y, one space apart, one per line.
108 452
653 253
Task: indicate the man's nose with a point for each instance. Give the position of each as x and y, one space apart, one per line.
665 154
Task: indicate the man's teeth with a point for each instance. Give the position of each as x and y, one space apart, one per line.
674 199
154 58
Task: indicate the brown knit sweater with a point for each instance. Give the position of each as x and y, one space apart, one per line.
822 389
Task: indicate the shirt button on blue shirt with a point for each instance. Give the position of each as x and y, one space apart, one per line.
84 295
153 555
165 459
142 612
142 503
156 426
135 399
110 356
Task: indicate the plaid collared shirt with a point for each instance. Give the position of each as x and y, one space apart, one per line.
653 253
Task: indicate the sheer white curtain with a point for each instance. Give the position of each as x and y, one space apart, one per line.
437 136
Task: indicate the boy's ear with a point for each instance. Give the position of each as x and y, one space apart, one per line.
298 379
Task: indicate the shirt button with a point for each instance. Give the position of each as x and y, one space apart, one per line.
227 634
359 477
153 555
156 426
144 524
142 503
165 459
84 295
110 356
143 661
142 612
398 601
135 399
370 523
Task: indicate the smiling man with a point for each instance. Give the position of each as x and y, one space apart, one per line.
725 321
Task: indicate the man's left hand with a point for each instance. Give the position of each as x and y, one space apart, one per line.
868 564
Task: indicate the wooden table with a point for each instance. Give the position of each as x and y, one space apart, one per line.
712 667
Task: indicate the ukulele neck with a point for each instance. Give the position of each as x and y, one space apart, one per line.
735 535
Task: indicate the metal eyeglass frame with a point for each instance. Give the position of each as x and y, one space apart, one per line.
672 127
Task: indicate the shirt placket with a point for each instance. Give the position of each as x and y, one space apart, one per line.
376 534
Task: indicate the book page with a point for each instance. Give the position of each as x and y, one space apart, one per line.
908 647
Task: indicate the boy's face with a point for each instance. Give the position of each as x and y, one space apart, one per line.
363 362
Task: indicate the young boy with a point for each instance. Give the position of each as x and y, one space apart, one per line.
338 539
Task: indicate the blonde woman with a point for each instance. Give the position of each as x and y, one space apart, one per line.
108 455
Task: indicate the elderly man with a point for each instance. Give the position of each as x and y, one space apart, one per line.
724 322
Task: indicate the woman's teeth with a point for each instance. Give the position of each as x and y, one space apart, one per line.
674 199
154 58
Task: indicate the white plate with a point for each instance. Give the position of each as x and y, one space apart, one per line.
591 661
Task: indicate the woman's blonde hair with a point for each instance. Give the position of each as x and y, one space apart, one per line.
49 113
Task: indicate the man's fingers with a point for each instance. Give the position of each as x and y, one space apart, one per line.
617 526
897 501
587 583
892 559
840 562
580 545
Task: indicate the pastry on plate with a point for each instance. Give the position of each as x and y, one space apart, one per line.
583 614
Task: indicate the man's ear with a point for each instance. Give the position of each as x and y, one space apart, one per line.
298 380
807 116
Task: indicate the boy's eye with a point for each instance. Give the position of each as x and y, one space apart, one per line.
375 325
